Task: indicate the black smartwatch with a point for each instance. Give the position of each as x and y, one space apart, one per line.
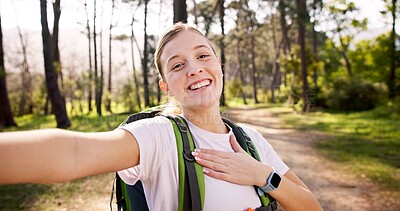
273 181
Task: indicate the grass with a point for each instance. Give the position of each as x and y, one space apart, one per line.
65 195
367 143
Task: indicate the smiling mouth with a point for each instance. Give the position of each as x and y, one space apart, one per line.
200 84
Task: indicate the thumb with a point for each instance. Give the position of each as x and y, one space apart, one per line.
235 145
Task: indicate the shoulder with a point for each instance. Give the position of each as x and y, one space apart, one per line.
158 121
145 130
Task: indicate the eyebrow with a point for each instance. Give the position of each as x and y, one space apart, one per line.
195 48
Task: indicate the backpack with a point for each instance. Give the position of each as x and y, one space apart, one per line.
191 176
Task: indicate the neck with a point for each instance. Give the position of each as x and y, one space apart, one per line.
208 119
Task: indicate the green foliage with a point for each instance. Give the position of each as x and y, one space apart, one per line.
355 94
235 91
370 58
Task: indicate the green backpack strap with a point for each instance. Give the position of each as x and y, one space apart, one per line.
247 144
191 176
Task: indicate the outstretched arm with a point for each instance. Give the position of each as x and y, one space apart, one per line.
54 155
238 167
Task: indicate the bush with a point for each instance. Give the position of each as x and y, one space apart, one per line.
354 94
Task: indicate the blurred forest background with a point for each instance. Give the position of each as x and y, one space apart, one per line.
304 54
319 65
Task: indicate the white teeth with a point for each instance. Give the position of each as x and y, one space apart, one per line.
200 84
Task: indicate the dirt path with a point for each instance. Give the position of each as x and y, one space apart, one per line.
332 185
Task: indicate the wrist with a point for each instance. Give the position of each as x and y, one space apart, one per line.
272 182
266 170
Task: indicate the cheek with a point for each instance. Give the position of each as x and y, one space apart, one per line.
174 81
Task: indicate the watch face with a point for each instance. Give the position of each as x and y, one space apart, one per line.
275 180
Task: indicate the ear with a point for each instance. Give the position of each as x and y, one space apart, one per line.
164 87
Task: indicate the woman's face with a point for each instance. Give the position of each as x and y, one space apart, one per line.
192 72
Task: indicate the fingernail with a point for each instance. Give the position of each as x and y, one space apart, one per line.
206 171
195 153
197 158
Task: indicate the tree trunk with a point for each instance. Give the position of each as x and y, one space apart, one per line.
145 60
97 97
301 19
253 70
348 64
108 102
314 38
180 12
195 13
26 89
99 94
275 66
138 101
222 48
57 59
343 52
239 58
90 73
285 37
58 104
395 59
6 116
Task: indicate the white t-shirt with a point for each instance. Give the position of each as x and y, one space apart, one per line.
158 168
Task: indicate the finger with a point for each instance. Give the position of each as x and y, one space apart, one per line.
209 157
217 174
211 165
235 145
203 152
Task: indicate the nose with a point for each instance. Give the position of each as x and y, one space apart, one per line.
194 69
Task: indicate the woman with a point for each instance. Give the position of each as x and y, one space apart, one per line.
146 150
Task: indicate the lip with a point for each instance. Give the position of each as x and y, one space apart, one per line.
198 81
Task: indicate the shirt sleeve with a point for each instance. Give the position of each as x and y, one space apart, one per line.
266 151
153 139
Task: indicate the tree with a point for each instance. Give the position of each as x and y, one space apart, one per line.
90 73
239 61
145 60
57 101
316 9
222 47
57 59
97 81
6 116
344 20
246 22
302 18
108 101
135 80
283 4
180 12
392 8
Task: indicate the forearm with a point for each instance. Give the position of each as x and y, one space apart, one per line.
54 155
292 194
31 156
